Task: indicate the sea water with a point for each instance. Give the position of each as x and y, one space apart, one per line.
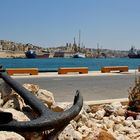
55 63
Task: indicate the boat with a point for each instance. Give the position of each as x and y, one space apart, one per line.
58 54
134 53
32 54
79 55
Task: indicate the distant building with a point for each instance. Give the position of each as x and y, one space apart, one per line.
0 47
68 54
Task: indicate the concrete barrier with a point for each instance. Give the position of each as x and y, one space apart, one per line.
81 70
139 68
114 68
31 71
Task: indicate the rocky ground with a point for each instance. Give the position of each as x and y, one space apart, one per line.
100 122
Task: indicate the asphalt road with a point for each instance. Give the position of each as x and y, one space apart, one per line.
91 87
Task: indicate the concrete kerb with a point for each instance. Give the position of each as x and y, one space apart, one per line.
123 101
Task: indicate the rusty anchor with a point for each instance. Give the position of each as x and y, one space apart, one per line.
47 119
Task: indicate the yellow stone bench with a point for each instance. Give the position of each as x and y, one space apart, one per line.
31 71
81 70
114 68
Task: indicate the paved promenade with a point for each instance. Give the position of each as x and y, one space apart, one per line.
93 86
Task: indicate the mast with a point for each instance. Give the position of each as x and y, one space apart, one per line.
79 38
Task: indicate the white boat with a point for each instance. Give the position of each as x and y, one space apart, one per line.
79 55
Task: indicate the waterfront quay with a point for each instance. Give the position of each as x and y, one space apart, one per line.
93 86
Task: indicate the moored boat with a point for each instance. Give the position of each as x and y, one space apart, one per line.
32 54
133 53
59 54
79 55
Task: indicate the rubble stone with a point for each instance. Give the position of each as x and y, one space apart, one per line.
32 88
46 97
4 135
103 122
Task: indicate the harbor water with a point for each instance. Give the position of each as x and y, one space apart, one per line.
55 63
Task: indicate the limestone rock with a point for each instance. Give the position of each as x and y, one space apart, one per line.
13 101
70 134
5 89
117 119
1 102
32 88
129 130
112 108
116 105
86 108
108 123
46 97
121 112
136 123
138 117
90 124
104 135
96 108
56 107
17 115
74 124
118 127
4 135
134 136
127 123
84 130
123 137
130 118
100 114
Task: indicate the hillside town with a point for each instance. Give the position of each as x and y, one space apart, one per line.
10 49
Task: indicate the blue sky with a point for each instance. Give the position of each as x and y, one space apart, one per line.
113 24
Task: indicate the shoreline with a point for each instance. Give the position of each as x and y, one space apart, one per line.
11 54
